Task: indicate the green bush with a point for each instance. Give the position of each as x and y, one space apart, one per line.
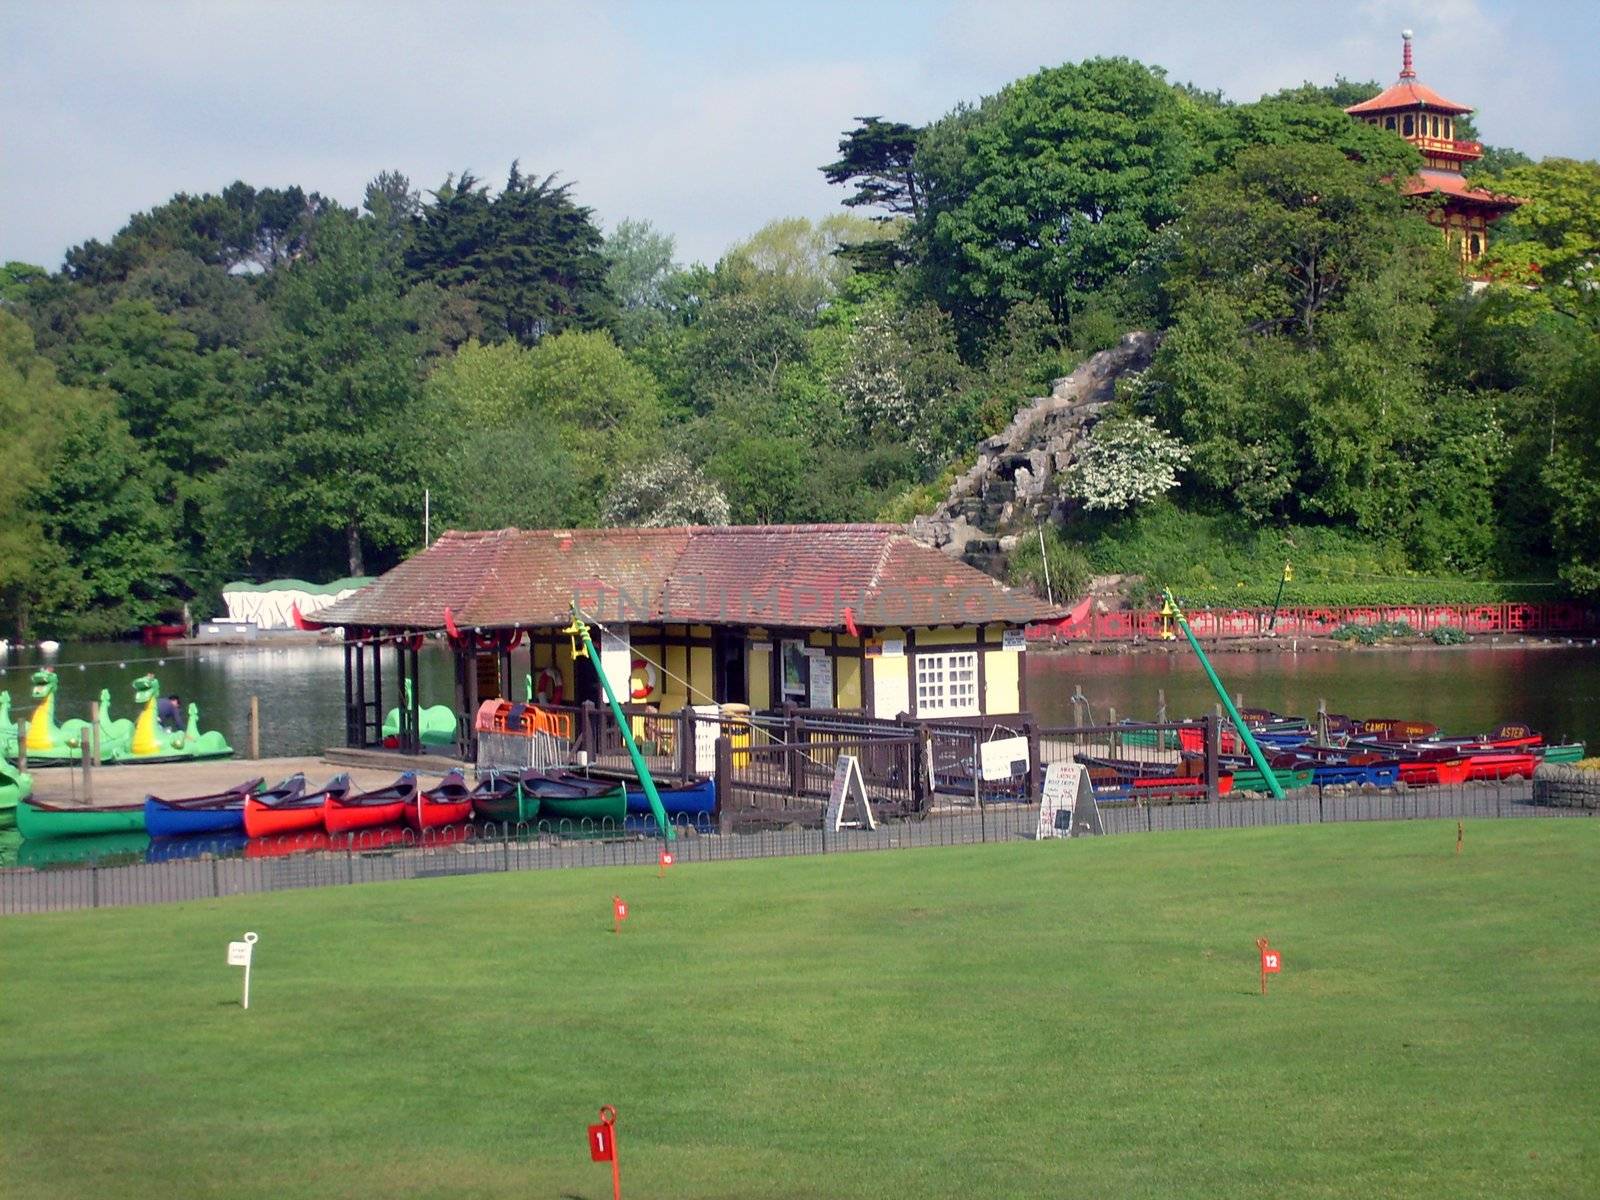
1070 571
1449 635
1371 635
1211 558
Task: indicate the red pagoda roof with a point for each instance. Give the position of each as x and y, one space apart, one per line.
1453 184
799 576
1407 92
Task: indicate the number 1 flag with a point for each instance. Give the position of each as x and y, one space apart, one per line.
619 913
602 1146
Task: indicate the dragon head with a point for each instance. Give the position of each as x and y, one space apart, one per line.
145 689
44 684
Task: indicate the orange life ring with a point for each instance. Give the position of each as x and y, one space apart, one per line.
548 686
641 679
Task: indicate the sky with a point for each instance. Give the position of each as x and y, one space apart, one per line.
707 119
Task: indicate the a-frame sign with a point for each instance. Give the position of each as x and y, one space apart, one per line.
849 791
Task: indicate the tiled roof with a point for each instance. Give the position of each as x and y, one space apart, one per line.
1452 183
803 576
1407 93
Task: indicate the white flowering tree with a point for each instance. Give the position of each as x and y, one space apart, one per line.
667 491
1126 461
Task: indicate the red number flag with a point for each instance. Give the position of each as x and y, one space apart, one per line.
602 1144
1271 962
619 907
666 858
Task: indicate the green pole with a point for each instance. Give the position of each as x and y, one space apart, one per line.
1260 759
667 831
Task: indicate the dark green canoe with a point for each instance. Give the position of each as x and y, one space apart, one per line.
566 796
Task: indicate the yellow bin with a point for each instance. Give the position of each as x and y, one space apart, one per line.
736 725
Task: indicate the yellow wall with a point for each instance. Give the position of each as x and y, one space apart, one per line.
700 675
759 664
847 681
891 691
946 637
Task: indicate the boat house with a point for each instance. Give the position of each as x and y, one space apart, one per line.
821 617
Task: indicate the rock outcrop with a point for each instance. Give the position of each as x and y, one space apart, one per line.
1011 486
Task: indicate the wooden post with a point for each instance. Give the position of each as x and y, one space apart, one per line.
687 737
796 760
94 731
1035 767
1114 741
22 746
1161 705
1213 732
724 776
88 772
255 727
1322 722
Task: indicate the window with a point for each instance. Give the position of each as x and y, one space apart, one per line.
947 684
1388 122
1476 245
1435 126
1410 126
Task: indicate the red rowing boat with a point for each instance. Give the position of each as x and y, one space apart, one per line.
384 806
449 802
271 814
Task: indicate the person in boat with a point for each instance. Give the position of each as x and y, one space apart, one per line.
169 713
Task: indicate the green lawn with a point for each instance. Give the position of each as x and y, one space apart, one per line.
1066 1019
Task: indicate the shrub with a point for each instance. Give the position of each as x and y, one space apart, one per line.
1449 635
1070 572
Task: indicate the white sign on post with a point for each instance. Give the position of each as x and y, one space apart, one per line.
848 785
239 955
1013 639
1003 758
1065 784
821 680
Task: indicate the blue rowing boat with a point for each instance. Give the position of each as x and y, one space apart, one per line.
220 812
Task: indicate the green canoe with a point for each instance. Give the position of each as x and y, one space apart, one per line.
1569 753
565 796
36 820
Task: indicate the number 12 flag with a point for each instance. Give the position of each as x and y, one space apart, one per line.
1271 961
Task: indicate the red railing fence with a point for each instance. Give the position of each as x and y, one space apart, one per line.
1564 618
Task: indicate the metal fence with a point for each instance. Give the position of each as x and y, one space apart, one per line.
184 870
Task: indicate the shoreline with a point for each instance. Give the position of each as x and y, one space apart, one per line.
1304 645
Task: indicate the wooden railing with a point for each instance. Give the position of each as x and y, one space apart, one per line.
1569 619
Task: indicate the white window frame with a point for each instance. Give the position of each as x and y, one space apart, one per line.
946 683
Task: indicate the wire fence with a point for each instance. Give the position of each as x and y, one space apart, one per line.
78 873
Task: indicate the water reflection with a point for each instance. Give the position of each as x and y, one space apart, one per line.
1467 690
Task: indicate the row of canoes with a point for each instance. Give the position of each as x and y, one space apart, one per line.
289 807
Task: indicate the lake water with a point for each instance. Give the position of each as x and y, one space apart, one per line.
301 688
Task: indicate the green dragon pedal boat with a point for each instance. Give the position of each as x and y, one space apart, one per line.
15 787
48 743
36 819
151 743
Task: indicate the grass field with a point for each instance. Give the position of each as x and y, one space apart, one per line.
1069 1019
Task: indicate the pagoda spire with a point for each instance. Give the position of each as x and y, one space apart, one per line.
1407 71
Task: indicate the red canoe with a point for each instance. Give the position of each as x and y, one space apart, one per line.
385 806
271 814
449 802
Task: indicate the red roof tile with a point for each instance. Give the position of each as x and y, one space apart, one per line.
802 576
1407 93
1452 183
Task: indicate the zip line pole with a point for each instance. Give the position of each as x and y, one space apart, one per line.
1260 759
579 630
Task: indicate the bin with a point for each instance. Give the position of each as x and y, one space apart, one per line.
737 728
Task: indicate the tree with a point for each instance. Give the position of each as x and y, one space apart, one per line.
665 492
1554 238
333 440
1052 191
1125 462
878 158
16 278
530 258
83 549
640 266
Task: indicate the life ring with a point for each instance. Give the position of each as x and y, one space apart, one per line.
641 679
548 686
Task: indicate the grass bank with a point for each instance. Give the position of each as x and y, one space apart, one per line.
1074 1019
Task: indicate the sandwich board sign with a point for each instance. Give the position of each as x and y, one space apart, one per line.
239 955
1003 758
1068 806
848 786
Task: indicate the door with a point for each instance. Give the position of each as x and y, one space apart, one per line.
731 682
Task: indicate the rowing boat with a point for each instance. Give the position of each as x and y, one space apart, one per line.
448 802
382 806
219 812
36 819
279 815
567 796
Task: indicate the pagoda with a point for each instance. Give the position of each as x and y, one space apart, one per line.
1427 120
